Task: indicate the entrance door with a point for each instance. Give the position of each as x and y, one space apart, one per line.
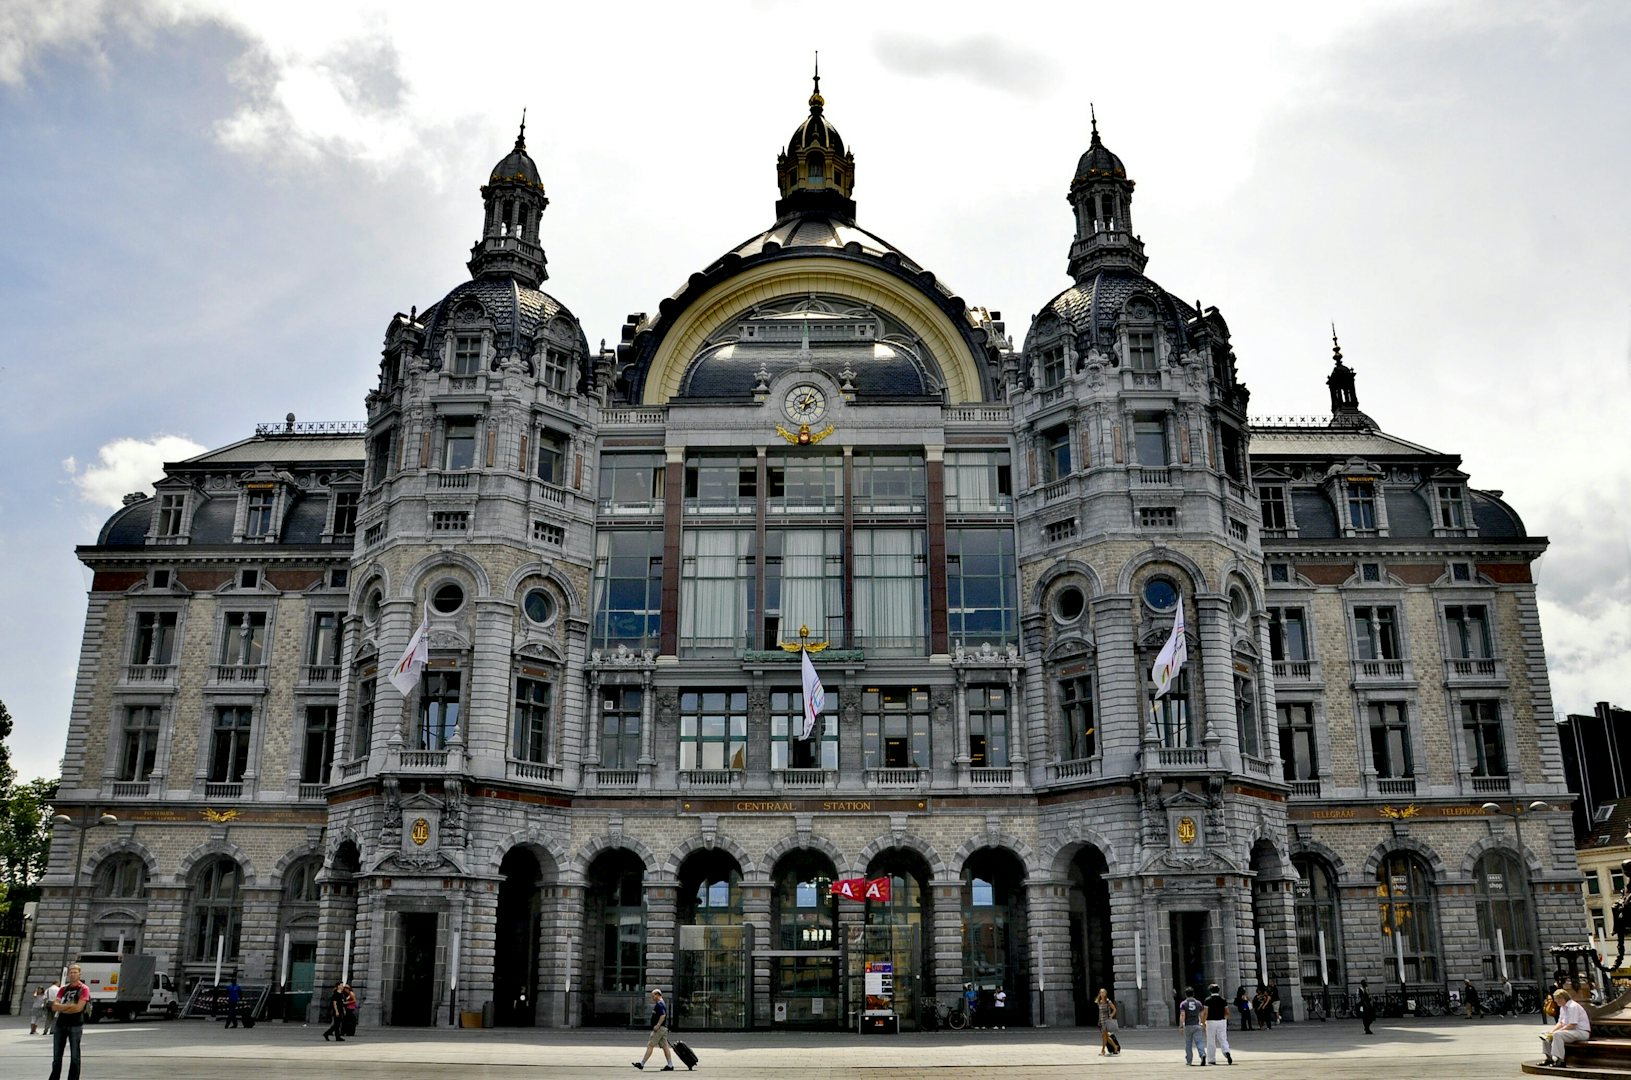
711 983
302 977
899 947
1189 967
414 1002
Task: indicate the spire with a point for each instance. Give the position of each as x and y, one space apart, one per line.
513 200
1336 348
1094 116
1344 398
1102 198
521 137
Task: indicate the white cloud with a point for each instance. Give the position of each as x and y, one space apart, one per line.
127 465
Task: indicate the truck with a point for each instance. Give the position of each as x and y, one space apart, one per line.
125 985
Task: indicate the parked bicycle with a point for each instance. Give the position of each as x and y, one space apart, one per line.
937 1015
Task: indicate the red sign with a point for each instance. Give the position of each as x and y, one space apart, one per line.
862 889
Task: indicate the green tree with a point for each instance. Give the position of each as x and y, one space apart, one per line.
25 835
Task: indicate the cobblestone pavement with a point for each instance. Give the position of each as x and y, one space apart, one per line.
186 1049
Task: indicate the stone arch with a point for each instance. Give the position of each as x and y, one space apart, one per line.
549 572
910 842
293 856
1238 571
1074 840
1410 844
539 842
122 846
337 839
1061 569
1072 644
424 568
773 855
717 842
1129 569
592 847
1486 844
209 850
1001 842
376 574
1318 850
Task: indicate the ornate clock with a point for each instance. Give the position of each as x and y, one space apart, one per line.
805 404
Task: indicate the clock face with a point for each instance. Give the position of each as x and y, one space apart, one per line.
805 404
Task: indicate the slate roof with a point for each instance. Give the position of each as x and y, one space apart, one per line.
881 371
286 449
517 312
1611 833
1092 306
1272 442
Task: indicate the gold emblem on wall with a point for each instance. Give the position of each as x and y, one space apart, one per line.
420 831
804 436
1401 812
1186 830
220 815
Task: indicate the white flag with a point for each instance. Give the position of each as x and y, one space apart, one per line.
405 676
815 697
1173 655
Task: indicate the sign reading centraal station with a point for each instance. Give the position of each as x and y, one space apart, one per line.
804 806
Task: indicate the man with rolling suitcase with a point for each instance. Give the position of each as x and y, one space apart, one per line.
659 1033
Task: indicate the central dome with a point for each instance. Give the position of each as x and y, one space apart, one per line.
816 174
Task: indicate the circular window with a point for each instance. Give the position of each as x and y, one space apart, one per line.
448 598
1068 604
538 605
1161 594
370 607
1238 605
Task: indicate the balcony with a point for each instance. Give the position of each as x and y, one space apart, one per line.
551 493
1152 477
1064 772
1257 766
710 779
238 674
320 674
150 674
980 414
309 792
537 772
1403 785
1472 672
615 779
348 769
422 760
1303 672
805 779
631 508
1383 671
1181 757
633 417
1056 490
132 789
988 777
224 791
1491 785
1305 789
451 481
900 779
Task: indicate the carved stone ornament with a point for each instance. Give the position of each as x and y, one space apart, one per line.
623 657
987 655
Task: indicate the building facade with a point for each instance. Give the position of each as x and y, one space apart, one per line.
601 781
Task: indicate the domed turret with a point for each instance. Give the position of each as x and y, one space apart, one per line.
513 200
816 174
1102 197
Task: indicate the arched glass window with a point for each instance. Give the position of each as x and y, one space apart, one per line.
1504 941
817 166
217 909
616 899
804 911
710 891
300 882
1405 905
1318 909
122 876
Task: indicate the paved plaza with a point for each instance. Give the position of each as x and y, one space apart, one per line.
1338 1050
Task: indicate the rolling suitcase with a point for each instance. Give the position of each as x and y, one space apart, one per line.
1115 1043
686 1055
248 1020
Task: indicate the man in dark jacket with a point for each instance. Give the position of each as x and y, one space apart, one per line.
1367 1006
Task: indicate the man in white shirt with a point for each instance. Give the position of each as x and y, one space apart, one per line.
1573 1025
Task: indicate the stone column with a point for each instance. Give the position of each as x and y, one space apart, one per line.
756 916
1016 726
1274 901
946 944
474 914
1216 671
1047 901
257 938
662 898
562 939
1133 928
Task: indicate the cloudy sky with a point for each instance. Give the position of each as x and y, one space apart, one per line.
212 209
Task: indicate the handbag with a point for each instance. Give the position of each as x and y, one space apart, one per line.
1111 1027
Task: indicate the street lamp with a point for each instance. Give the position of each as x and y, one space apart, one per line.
84 824
1516 812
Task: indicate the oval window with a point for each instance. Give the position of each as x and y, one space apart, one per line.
1069 603
448 598
370 607
538 606
1161 594
1239 607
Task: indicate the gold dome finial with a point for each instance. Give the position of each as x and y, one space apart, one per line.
816 100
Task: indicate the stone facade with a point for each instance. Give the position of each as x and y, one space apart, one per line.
599 782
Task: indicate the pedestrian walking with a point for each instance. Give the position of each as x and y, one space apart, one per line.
336 1014
234 995
1367 1006
1215 1015
1243 1007
349 1018
659 1033
971 1003
999 1007
1469 994
1274 999
1573 1025
69 1007
1109 1040
36 1017
1510 1008
51 1013
1190 1026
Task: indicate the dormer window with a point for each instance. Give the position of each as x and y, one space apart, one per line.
1361 504
556 368
172 514
1452 507
466 354
1141 350
1053 366
1271 499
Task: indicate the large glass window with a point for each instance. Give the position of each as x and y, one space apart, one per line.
981 583
987 726
1173 716
979 482
122 877
551 458
346 504
229 743
380 453
1406 907
1502 889
803 908
803 484
788 748
1056 453
713 729
217 910
466 354
243 638
891 589
155 640
628 588
141 742
1390 740
617 902
631 483
1376 633
1468 631
529 739
438 708
318 751
172 513
1141 350
1076 710
1288 635
1150 439
1318 909
324 650
620 710
804 585
889 483
716 589
721 485
1483 739
1299 750
895 728
459 444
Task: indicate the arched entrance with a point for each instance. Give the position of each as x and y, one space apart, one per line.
804 946
898 932
713 960
1091 960
995 935
515 945
614 951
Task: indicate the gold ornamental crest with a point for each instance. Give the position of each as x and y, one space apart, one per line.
420 831
1186 830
